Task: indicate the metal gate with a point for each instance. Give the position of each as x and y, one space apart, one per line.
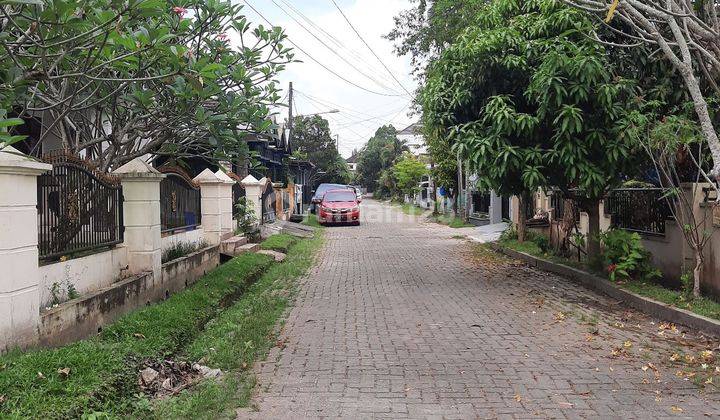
268 204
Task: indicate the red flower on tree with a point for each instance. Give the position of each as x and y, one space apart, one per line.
180 11
611 268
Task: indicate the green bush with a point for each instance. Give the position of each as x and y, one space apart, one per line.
182 249
542 242
625 258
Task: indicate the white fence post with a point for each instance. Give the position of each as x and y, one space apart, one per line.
253 194
211 193
227 229
19 293
141 214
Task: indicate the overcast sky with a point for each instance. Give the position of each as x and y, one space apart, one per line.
361 112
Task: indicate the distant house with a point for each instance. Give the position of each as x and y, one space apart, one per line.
352 162
413 137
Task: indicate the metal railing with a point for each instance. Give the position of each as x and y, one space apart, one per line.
179 201
79 208
268 205
642 210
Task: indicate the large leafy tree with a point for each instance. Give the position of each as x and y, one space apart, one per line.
378 155
117 79
408 172
313 141
533 102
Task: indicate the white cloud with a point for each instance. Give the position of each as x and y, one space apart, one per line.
372 19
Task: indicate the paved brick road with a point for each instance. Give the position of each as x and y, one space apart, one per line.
400 320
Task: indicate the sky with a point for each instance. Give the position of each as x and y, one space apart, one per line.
317 89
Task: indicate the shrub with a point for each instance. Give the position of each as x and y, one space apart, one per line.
625 258
542 242
182 249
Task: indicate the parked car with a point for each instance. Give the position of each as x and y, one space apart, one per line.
339 206
320 192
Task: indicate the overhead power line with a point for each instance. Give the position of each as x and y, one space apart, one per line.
352 65
368 47
318 62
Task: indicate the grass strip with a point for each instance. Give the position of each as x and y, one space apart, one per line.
280 242
702 306
452 221
103 369
241 335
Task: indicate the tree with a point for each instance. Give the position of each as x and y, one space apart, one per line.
117 80
534 103
378 155
313 140
408 172
688 35
425 30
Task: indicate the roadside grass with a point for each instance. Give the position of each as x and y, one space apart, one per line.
242 334
312 220
702 306
450 220
103 369
411 209
280 242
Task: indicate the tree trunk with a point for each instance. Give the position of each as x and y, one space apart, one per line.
522 217
468 197
593 237
458 201
697 273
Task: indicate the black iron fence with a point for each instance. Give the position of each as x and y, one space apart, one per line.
481 201
179 201
268 204
238 192
643 210
79 209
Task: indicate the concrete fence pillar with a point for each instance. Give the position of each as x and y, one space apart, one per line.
227 228
253 193
141 214
213 199
495 208
19 292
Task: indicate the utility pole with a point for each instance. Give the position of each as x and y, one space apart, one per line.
290 114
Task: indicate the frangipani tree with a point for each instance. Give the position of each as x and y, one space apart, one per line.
535 102
116 79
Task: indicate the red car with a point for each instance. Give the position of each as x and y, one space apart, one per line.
339 206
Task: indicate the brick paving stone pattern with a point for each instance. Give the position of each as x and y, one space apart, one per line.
399 319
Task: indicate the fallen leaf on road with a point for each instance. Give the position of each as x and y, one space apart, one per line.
559 317
676 409
518 398
565 405
64 372
627 344
675 357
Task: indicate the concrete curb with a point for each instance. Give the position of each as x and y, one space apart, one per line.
652 307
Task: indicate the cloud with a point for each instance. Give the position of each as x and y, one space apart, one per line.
318 90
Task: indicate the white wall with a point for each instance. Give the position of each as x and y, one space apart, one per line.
87 274
193 236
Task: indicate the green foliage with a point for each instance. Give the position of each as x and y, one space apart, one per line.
166 76
408 172
103 369
452 221
542 242
245 216
625 258
280 242
377 157
312 138
531 100
181 249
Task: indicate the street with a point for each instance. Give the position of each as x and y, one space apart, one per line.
399 319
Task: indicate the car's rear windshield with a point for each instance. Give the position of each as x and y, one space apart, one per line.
335 196
325 187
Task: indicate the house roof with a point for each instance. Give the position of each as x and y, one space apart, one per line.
414 129
352 159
